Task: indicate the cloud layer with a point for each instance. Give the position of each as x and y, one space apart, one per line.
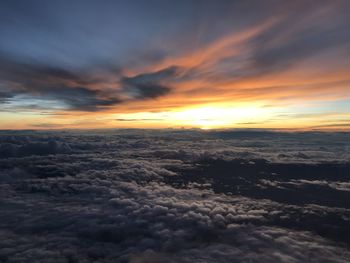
177 196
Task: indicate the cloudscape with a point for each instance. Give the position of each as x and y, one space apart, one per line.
193 64
180 131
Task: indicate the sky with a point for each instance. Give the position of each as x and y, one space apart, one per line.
175 64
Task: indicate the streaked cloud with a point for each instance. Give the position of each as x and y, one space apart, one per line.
196 54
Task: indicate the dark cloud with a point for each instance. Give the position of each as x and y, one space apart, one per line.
5 95
31 73
174 195
80 98
48 125
74 89
39 148
51 84
149 85
298 37
334 125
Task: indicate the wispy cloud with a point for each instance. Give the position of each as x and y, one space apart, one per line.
275 53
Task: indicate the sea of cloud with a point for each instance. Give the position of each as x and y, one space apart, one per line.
174 196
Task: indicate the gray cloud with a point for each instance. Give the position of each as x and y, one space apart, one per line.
149 85
297 36
51 84
73 89
148 196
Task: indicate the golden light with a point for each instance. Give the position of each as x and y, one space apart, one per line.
209 117
203 117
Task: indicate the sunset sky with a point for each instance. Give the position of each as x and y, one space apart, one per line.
175 64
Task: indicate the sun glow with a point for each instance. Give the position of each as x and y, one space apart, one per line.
208 117
203 117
